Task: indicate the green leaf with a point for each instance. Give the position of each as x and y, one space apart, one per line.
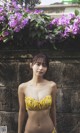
76 12
5 40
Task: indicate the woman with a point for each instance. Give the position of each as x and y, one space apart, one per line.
37 98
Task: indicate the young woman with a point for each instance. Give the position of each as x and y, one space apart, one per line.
37 98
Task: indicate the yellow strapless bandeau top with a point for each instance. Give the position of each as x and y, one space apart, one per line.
33 104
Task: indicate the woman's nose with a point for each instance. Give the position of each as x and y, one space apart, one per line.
40 67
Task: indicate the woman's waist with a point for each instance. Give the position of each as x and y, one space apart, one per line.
37 123
38 114
39 117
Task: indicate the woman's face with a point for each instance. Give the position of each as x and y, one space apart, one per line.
39 68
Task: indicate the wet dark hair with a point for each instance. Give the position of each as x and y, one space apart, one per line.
43 58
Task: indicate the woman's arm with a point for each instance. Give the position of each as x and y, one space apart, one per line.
53 107
22 116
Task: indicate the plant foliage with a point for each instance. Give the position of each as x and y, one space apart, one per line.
32 28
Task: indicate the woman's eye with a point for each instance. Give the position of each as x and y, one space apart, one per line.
44 65
38 64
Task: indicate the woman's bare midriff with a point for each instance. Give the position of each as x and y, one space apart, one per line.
39 122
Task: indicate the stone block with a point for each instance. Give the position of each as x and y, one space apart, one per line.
14 100
9 119
8 73
68 101
55 72
75 101
8 99
25 73
5 99
71 74
67 123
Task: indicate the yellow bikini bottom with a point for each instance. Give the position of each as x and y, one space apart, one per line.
54 131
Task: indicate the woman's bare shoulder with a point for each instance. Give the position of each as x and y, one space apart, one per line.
22 87
51 83
53 86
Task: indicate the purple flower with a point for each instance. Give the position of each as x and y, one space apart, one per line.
2 18
63 21
71 29
12 23
11 17
5 33
18 16
27 10
65 26
77 21
24 22
14 3
54 21
75 29
37 11
1 9
65 34
71 16
17 29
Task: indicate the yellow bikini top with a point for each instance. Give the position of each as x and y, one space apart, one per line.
33 104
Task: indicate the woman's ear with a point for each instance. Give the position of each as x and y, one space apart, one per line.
30 65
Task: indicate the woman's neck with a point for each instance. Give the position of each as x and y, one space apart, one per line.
37 80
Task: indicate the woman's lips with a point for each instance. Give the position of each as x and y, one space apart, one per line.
39 72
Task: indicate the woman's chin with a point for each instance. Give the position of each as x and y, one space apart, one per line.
40 74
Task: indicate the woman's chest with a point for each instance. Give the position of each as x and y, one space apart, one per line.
39 92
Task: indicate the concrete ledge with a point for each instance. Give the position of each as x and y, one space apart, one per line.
58 10
57 15
58 5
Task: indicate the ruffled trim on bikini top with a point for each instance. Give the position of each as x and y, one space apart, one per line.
33 104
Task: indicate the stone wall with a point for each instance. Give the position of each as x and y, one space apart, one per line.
58 10
64 70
